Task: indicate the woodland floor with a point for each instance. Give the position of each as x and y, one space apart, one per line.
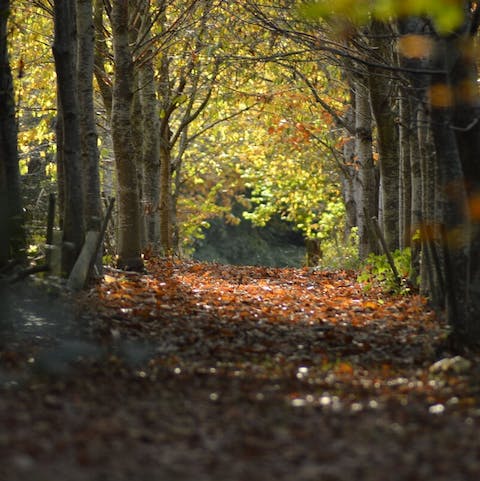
207 372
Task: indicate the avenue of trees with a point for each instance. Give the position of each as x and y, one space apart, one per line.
336 116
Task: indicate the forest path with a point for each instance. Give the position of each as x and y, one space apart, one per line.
208 372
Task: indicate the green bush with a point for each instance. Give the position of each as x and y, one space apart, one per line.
376 271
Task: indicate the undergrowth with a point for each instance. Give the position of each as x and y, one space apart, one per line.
376 271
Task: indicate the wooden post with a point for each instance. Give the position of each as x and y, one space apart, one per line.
56 253
50 225
86 260
79 274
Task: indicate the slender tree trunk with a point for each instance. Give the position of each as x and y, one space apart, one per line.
129 255
416 196
60 163
349 177
382 95
166 240
405 184
432 273
150 148
64 50
366 167
12 233
88 129
100 54
423 171
137 136
176 235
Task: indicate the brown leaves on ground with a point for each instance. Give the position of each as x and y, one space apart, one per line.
212 372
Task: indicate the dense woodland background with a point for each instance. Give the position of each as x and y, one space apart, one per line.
323 122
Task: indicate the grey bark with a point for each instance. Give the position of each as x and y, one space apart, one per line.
88 129
423 169
101 52
137 135
405 184
366 168
129 240
65 54
382 95
151 142
416 195
166 239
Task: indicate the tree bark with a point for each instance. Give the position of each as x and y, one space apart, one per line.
366 167
88 129
151 138
137 135
466 128
129 249
12 233
100 54
454 109
416 218
65 53
382 98
405 184
166 240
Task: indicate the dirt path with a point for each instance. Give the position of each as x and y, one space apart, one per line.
205 372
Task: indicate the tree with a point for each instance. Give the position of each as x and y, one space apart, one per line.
12 235
130 248
150 124
455 101
69 146
88 128
438 42
382 97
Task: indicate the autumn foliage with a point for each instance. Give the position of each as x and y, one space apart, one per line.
206 371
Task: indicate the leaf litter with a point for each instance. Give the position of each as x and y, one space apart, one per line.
196 371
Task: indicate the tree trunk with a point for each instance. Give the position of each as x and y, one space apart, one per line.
137 135
88 129
416 195
405 184
129 249
150 149
423 172
456 225
382 97
12 233
366 167
100 54
350 183
166 240
432 274
60 163
64 51
466 128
